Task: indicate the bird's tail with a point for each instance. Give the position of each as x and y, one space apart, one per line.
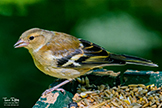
132 60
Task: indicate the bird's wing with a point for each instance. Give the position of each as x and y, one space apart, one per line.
96 55
73 52
87 54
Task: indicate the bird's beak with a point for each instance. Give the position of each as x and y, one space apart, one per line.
20 43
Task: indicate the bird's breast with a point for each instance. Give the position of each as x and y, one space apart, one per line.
47 63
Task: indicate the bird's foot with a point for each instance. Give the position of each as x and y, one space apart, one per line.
57 87
53 89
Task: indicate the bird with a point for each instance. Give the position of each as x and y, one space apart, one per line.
64 56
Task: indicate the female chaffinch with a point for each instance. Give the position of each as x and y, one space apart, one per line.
64 56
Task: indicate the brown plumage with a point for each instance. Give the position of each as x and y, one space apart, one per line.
64 56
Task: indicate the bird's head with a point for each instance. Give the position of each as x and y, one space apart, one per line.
33 38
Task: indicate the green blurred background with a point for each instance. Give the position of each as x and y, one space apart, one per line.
131 27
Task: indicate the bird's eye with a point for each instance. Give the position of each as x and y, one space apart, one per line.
31 37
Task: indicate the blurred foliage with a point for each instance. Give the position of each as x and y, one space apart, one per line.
17 7
120 26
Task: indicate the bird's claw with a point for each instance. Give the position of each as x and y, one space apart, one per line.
60 89
53 89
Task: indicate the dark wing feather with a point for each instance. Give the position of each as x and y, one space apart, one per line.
64 60
96 54
88 54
